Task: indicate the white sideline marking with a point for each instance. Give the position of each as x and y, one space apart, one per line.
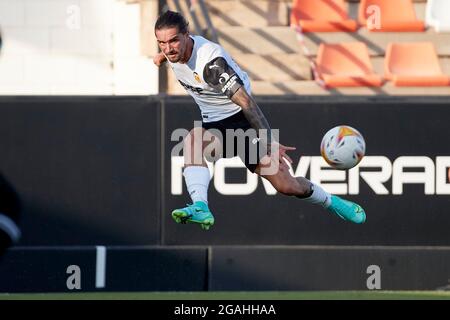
100 267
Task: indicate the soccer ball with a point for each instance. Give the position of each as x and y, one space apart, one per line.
343 147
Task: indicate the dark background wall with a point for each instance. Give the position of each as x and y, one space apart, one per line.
86 169
392 128
97 171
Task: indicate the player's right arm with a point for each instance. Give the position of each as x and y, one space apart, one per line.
159 59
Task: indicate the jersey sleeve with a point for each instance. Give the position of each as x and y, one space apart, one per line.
221 77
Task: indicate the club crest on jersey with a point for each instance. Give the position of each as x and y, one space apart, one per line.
197 77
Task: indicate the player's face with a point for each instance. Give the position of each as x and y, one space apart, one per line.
172 43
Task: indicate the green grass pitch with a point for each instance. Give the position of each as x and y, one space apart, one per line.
286 295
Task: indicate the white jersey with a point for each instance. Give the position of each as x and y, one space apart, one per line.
211 77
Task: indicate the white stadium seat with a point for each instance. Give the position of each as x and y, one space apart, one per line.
438 15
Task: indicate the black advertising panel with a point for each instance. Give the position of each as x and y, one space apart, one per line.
101 268
51 269
329 268
85 169
403 181
157 269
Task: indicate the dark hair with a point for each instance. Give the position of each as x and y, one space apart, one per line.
170 19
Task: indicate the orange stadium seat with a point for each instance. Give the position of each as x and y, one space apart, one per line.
322 16
414 64
389 15
346 65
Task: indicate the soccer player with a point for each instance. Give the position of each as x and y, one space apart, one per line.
222 92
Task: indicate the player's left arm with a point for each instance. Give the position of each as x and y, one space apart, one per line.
219 75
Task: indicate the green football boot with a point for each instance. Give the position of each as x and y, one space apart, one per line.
195 213
347 210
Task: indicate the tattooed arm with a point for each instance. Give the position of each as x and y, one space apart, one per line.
252 112
259 122
219 75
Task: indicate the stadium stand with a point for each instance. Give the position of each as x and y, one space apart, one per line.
322 15
414 64
257 33
437 15
398 16
259 36
346 65
252 14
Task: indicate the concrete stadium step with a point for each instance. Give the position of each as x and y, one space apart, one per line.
353 1
312 88
419 8
248 13
259 13
271 68
378 65
295 66
280 67
262 41
286 74
275 40
197 22
292 67
377 42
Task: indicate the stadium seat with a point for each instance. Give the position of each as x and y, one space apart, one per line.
437 15
322 16
396 16
414 64
346 65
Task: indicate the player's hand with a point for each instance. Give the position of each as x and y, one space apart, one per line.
159 59
282 151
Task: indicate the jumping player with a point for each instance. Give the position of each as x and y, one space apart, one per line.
222 91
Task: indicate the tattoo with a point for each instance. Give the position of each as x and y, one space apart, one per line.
219 75
253 114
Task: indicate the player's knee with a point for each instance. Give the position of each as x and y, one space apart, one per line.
189 142
193 147
194 136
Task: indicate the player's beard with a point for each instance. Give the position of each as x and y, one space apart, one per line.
175 58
